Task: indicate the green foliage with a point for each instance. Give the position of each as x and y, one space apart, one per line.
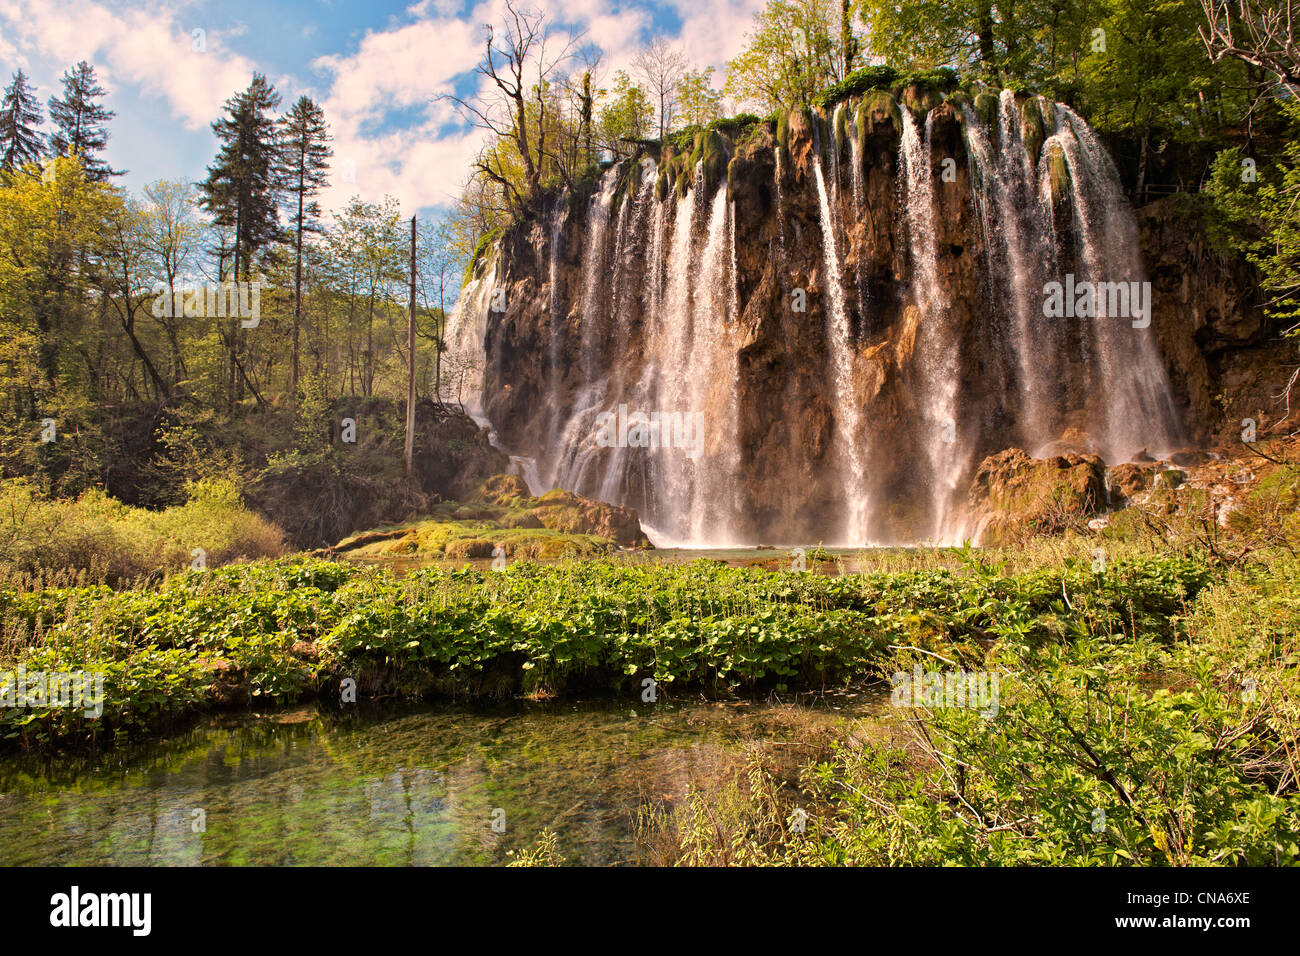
1256 213
796 49
291 627
698 103
626 114
877 77
1106 749
108 539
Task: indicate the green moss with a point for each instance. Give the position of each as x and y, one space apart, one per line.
919 98
960 101
1058 172
1031 127
857 83
986 106
713 154
480 249
877 107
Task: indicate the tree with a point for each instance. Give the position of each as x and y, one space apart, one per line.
242 191
659 67
305 155
797 49
169 233
53 233
80 121
123 280
1262 206
518 103
369 251
243 185
438 272
627 114
20 115
1261 34
697 101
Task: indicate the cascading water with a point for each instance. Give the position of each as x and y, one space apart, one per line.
868 436
848 414
1140 412
466 330
937 359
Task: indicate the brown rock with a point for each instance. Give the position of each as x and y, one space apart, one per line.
1013 496
500 489
1128 479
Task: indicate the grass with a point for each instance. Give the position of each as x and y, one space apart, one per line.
118 543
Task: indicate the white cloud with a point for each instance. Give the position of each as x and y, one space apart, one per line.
147 47
381 96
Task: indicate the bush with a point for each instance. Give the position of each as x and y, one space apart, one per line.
118 543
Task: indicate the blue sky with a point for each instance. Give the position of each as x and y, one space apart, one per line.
376 67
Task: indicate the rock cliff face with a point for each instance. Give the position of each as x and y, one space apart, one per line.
819 327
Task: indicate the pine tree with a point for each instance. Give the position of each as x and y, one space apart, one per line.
80 121
242 190
20 115
305 153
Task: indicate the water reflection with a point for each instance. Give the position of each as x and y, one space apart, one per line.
393 787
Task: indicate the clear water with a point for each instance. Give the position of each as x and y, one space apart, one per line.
392 786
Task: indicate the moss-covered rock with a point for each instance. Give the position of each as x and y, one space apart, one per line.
920 98
1031 127
1058 172
504 514
877 107
960 101
713 155
1014 497
986 107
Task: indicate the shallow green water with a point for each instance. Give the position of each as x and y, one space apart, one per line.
390 787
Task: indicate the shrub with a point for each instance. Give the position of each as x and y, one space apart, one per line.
118 543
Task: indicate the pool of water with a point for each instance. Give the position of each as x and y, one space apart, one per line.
426 785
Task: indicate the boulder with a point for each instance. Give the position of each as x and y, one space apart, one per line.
1128 479
574 514
1013 497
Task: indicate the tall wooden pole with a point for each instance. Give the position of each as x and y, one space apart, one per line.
410 364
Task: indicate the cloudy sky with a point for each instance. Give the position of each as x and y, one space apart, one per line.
376 67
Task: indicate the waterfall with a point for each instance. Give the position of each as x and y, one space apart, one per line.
1140 413
848 417
595 297
465 357
1125 390
936 348
867 433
